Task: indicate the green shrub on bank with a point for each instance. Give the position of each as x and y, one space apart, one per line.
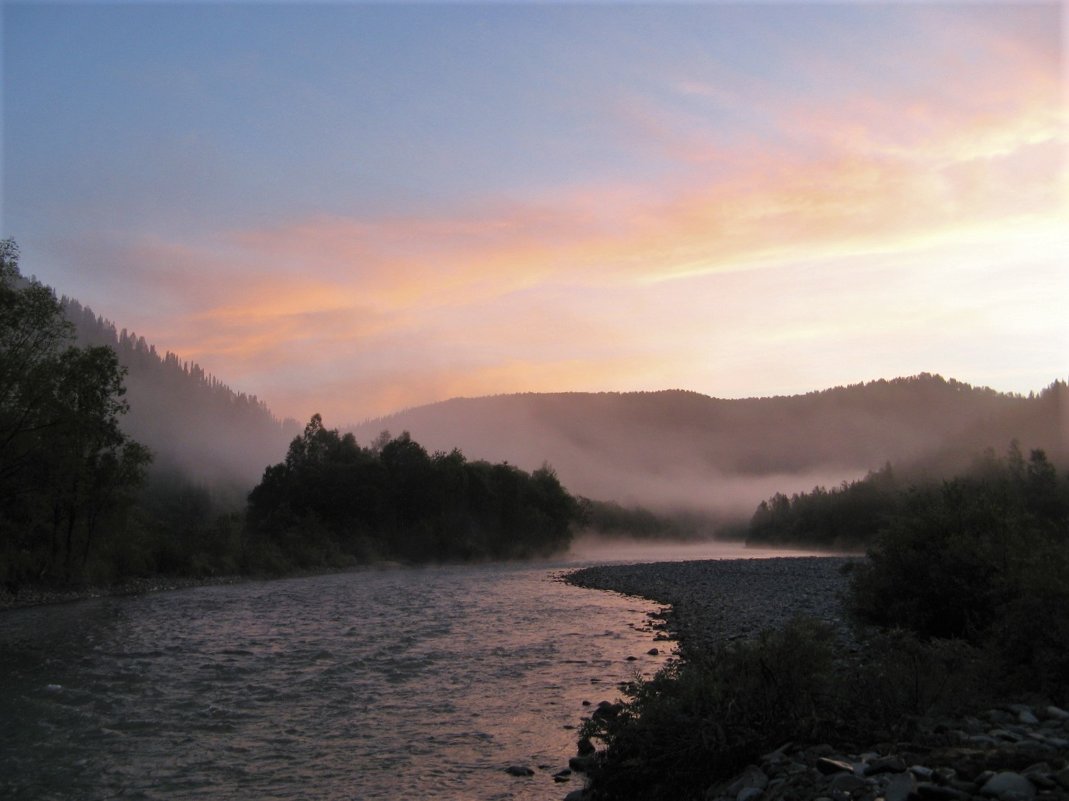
983 558
701 720
968 587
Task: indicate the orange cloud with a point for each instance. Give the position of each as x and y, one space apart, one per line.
517 294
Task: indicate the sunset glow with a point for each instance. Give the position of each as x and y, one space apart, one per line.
352 209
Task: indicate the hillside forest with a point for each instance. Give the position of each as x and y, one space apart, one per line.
82 500
119 462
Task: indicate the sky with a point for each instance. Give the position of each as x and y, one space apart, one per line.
353 208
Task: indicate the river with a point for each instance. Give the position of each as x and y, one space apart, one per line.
377 684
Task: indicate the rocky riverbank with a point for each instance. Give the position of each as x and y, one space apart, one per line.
1013 752
715 601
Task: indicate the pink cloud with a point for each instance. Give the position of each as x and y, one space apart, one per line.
520 293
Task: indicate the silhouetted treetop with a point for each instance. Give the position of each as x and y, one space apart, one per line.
333 501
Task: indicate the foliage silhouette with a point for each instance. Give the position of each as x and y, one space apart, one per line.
333 502
66 467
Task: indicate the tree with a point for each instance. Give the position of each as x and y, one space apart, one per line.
333 500
33 334
91 463
65 463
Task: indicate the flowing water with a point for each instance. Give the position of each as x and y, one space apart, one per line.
408 683
379 684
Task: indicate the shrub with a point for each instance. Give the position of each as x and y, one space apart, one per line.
698 722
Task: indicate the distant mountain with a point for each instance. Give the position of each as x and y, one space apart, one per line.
677 449
190 420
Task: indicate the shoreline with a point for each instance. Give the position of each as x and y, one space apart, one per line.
1004 750
44 595
719 600
29 597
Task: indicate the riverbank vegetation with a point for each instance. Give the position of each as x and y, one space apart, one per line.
333 502
961 603
849 517
612 520
84 503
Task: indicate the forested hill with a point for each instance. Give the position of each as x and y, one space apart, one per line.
189 419
677 448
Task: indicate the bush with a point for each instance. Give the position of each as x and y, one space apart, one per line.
897 679
983 558
700 721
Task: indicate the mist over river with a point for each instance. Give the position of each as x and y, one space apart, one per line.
393 683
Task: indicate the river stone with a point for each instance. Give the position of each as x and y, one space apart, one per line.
749 794
519 770
1057 713
891 764
753 776
1007 785
1062 777
900 788
940 792
847 783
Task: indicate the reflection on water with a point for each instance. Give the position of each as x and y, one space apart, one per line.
423 683
418 683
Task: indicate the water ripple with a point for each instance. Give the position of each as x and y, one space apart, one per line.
371 685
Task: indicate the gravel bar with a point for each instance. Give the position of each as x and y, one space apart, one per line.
718 600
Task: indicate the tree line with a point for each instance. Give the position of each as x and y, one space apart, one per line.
965 597
333 502
852 515
983 556
82 501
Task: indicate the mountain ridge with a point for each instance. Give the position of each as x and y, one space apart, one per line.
669 448
660 447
